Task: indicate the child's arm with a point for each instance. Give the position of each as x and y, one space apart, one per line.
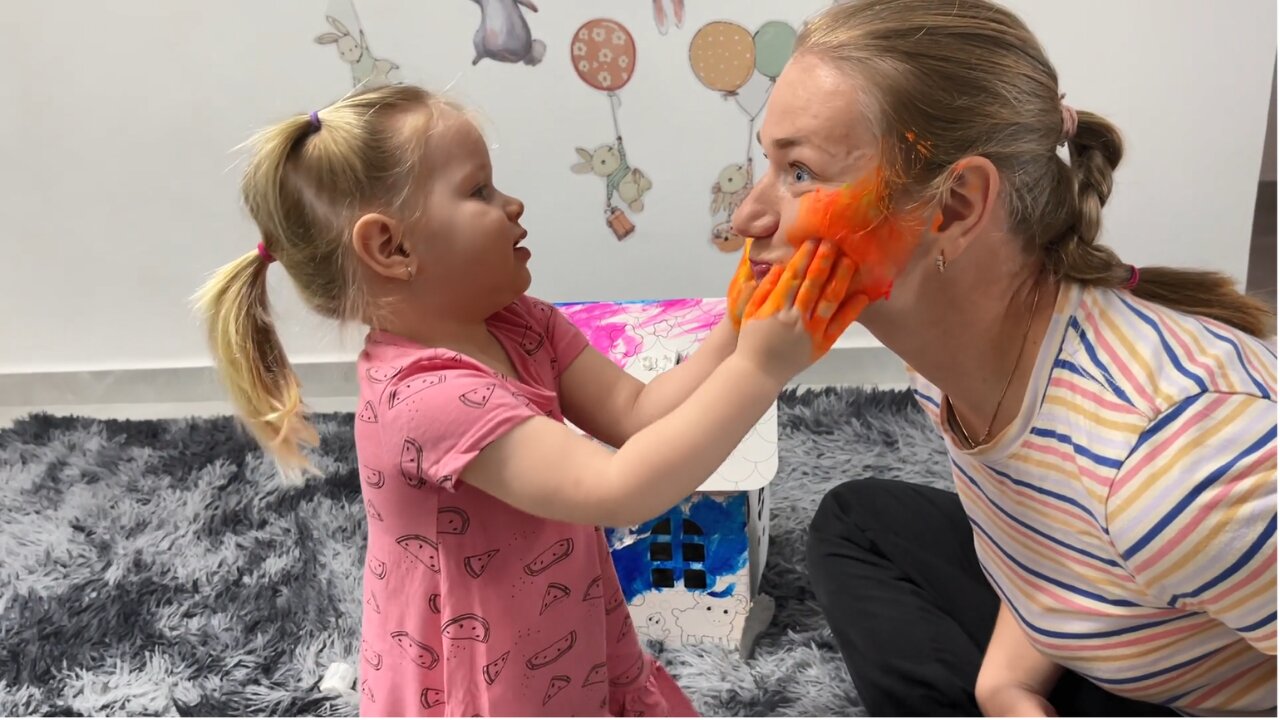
611 405
545 469
606 402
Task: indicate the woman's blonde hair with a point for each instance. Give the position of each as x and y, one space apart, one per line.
308 180
948 80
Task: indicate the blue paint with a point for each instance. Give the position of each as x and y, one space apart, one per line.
723 521
725 525
633 566
726 592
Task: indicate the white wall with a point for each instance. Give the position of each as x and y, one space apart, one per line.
118 194
1268 173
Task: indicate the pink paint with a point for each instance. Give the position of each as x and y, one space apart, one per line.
613 328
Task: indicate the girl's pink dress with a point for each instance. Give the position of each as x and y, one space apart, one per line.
471 606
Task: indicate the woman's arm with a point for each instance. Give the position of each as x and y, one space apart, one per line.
1015 678
1193 511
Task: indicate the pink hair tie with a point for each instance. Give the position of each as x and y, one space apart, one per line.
265 254
1070 120
1133 278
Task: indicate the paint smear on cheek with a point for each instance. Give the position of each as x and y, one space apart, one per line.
854 219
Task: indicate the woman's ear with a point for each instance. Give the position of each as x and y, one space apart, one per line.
377 241
967 205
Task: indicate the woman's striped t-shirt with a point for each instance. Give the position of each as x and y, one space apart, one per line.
1128 515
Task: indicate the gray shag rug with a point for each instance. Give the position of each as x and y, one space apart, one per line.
159 568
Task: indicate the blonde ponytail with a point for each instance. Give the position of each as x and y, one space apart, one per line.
309 179
252 364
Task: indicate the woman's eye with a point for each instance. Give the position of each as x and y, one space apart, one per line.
800 174
481 192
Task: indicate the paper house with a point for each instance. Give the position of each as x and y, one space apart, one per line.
691 575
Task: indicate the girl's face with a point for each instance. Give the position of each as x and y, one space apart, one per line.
467 233
816 136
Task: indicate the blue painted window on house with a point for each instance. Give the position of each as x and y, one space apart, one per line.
677 550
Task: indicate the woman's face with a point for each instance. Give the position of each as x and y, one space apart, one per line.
815 135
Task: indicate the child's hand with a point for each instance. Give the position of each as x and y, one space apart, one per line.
741 287
787 323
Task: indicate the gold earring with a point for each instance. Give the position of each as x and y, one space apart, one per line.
940 262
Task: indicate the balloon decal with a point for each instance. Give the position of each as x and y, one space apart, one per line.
603 53
773 44
742 66
723 56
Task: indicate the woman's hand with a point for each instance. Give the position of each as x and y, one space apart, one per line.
1014 678
1013 701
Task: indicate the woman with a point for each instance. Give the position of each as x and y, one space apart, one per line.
1110 548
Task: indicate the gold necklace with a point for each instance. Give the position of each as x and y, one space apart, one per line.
1035 300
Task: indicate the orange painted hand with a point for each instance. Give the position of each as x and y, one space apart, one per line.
741 287
810 297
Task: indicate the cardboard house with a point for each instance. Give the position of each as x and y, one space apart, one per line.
692 574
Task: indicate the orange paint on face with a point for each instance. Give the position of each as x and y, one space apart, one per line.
854 220
849 250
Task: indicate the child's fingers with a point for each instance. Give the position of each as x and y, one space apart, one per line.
783 295
845 316
763 292
743 273
741 287
792 278
815 278
834 291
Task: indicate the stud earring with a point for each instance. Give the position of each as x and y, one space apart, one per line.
940 262
408 272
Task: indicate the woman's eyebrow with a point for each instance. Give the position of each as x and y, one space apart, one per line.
787 143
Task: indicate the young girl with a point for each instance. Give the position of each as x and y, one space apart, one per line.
489 588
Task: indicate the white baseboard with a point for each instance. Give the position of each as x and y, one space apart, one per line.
327 386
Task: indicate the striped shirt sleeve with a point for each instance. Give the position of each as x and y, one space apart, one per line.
1192 511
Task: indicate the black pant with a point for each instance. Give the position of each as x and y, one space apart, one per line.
894 569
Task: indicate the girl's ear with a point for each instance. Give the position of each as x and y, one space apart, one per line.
377 242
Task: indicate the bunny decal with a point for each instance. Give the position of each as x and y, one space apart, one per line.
504 33
660 14
610 163
366 70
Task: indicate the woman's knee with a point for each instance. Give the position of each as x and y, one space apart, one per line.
850 507
838 533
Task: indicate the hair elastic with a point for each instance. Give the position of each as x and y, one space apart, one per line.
265 254
1133 278
1070 120
315 119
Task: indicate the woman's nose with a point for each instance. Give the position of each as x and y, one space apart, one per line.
757 216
